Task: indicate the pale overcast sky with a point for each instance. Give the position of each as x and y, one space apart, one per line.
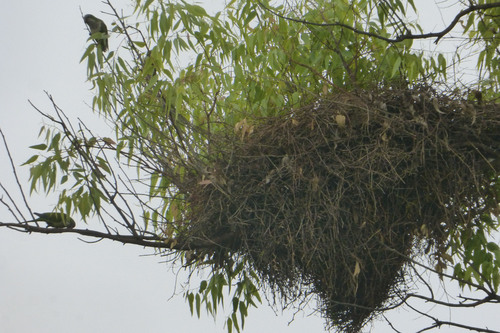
57 283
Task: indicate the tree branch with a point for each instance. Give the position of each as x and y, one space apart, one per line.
400 38
151 240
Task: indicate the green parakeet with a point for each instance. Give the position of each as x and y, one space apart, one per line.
97 26
56 220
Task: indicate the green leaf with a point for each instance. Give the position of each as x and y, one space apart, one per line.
147 4
395 66
31 160
198 305
496 280
190 298
203 286
235 322
195 9
235 304
41 146
492 246
87 53
139 43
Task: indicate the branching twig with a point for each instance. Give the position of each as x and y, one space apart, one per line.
16 178
407 35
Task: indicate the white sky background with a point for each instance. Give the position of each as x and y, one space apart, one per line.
57 283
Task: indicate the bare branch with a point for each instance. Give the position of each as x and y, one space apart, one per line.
151 240
16 178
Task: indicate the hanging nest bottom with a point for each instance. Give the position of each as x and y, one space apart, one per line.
336 197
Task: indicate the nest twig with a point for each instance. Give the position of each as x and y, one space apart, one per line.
336 196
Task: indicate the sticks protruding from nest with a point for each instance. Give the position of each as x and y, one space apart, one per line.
338 195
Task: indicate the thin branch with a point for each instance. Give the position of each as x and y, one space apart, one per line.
390 324
487 299
438 323
400 38
16 177
151 240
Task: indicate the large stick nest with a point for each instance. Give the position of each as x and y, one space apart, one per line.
336 197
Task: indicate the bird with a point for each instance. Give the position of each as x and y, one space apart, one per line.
56 220
97 26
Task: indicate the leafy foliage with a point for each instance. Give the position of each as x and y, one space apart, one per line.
185 76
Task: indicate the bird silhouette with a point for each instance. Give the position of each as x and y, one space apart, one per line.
98 30
56 220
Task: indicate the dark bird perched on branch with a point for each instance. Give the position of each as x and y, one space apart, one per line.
98 30
56 220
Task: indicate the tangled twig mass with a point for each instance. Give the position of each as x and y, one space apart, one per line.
337 197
